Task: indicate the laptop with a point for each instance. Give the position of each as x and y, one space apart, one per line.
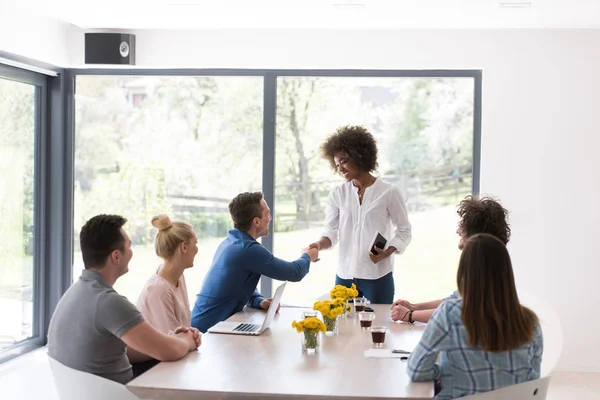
243 328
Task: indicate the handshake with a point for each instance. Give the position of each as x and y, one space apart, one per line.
313 252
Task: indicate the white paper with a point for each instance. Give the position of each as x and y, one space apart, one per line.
383 353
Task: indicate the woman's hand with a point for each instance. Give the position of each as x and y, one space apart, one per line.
381 254
196 335
405 303
399 313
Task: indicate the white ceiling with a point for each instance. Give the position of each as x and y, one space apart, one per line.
334 14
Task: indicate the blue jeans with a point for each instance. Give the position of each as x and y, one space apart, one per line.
378 291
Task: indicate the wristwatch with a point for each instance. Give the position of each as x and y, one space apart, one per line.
410 320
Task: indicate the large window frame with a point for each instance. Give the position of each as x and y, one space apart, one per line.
54 162
39 81
52 207
270 109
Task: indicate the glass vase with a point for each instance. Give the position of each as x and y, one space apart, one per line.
348 311
332 326
310 342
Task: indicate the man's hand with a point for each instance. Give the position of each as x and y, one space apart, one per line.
314 245
404 303
266 303
188 336
399 313
381 254
313 252
195 333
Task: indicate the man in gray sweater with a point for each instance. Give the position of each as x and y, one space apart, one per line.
96 330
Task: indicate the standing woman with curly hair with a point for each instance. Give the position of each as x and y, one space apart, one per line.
357 210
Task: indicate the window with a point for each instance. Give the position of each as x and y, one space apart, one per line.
19 102
424 131
186 148
185 145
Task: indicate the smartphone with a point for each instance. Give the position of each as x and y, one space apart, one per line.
369 309
379 242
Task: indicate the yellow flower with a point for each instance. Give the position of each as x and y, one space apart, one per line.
351 292
309 324
321 306
338 291
338 303
298 325
330 308
343 292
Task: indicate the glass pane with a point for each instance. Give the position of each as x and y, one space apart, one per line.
424 131
17 133
184 146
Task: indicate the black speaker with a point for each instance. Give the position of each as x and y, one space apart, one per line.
110 48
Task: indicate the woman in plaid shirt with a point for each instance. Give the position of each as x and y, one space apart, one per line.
485 338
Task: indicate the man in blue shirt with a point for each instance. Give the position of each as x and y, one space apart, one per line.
240 261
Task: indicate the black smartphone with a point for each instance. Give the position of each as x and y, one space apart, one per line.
369 309
379 242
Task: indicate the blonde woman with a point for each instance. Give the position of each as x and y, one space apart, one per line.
164 300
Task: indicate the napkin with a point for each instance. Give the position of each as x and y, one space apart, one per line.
383 353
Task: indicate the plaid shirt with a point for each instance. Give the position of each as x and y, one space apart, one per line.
466 370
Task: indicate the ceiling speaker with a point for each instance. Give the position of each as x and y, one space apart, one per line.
110 48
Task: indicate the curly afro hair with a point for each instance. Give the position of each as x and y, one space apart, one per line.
356 144
483 215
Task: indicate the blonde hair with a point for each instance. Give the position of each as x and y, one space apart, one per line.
170 235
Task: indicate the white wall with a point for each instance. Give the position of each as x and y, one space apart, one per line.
540 140
41 39
540 137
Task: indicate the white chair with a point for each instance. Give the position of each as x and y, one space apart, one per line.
551 328
28 377
72 384
532 390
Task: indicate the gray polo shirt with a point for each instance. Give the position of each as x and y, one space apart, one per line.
86 327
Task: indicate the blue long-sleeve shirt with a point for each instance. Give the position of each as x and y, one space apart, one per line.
232 278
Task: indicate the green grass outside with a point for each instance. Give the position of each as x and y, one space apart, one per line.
427 269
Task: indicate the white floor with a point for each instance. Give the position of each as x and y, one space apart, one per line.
29 377
574 385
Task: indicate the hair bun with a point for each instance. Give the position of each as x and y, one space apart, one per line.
161 222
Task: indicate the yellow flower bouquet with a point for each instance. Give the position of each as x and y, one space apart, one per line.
310 326
330 310
344 293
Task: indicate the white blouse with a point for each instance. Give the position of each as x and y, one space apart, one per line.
355 226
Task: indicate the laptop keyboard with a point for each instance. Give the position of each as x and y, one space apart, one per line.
247 327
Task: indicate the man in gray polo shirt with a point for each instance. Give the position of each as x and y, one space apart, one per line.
96 330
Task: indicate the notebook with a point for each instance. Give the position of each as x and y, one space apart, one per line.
243 328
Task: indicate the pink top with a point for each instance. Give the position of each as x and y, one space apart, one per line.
163 305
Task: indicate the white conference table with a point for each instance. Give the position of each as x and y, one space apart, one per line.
273 365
